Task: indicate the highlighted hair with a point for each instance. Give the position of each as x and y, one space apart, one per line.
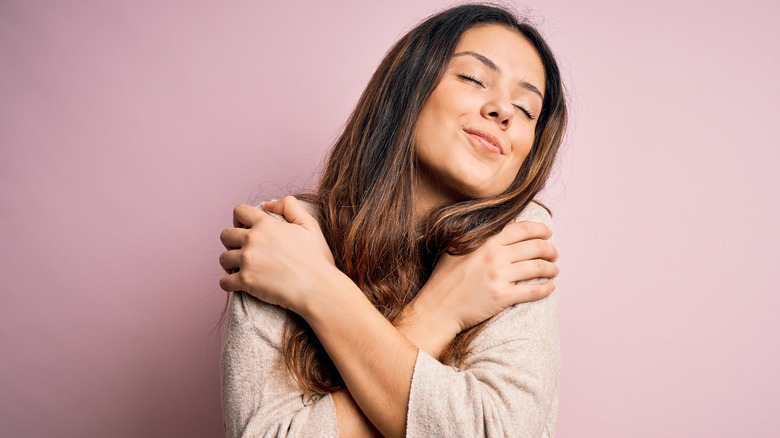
365 198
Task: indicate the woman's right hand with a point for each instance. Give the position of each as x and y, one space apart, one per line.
468 289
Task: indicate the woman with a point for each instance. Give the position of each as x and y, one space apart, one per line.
402 275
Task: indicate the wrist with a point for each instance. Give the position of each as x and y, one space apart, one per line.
426 324
335 292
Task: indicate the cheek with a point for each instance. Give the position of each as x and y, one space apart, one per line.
522 144
421 139
435 113
434 131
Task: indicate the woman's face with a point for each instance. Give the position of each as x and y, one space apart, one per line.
478 124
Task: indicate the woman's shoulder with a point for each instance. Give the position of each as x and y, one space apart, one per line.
533 321
537 212
246 312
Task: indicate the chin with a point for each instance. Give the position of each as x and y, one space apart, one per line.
469 194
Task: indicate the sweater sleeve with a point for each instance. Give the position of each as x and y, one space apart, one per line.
259 397
507 387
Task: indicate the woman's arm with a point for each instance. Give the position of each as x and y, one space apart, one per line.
421 329
375 360
507 387
259 397
508 384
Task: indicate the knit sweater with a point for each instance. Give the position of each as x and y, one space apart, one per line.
508 385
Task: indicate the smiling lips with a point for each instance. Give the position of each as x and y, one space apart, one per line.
487 141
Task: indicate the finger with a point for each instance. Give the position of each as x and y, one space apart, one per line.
230 283
233 238
294 211
532 249
525 292
524 230
530 269
230 260
246 216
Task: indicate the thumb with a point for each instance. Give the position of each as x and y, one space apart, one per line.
293 211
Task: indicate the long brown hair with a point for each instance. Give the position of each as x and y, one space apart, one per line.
365 198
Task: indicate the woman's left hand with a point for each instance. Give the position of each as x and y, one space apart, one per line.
276 261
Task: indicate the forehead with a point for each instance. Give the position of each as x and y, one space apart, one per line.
508 49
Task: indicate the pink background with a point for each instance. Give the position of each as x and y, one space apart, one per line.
129 130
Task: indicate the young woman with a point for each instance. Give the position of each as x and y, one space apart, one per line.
412 294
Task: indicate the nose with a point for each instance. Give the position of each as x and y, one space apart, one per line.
499 109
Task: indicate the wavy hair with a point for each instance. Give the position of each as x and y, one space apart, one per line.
364 197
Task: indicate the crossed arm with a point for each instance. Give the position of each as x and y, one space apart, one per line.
283 263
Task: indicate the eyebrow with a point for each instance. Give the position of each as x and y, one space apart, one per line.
492 65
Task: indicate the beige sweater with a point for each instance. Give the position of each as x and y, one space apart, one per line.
507 387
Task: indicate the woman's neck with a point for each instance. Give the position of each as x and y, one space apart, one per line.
426 195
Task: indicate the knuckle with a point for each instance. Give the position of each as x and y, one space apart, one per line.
484 252
495 294
244 278
251 237
546 290
246 258
536 292
540 291
537 229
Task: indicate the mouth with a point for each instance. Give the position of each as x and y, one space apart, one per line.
486 141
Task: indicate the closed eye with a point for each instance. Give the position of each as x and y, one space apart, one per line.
526 112
472 79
